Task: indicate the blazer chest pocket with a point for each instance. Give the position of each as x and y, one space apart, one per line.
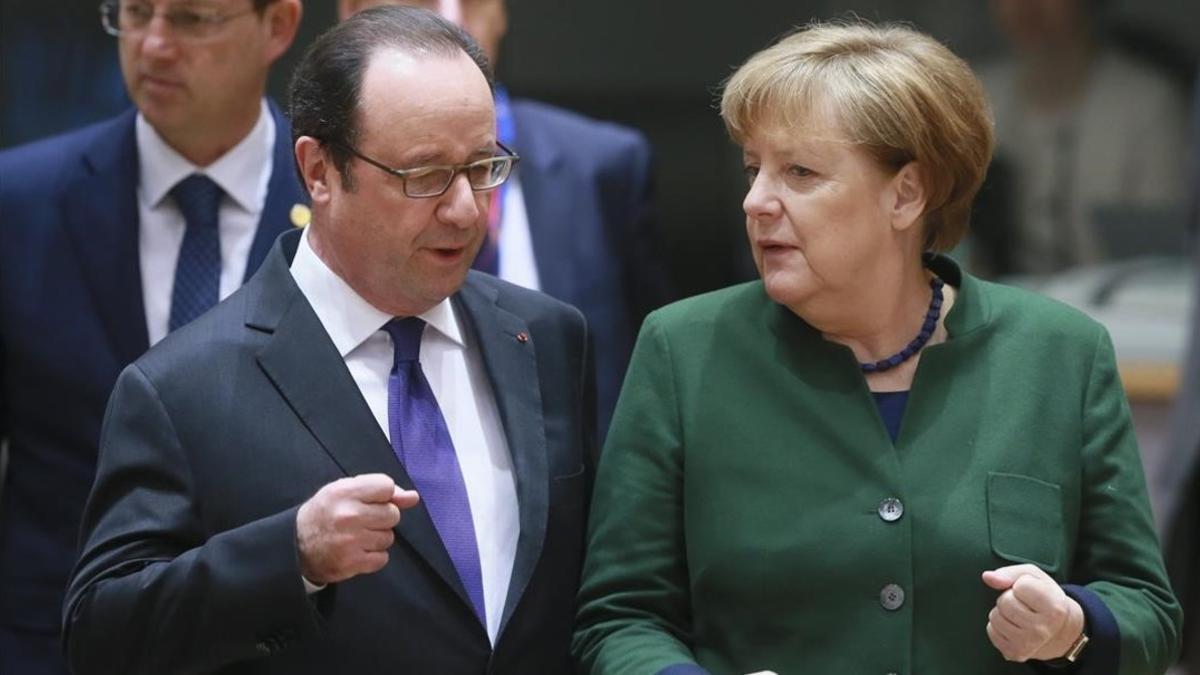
1025 520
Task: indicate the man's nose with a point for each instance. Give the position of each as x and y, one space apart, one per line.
158 37
460 206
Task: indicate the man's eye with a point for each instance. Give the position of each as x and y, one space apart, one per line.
137 14
425 172
188 19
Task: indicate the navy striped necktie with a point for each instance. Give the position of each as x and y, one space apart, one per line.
198 272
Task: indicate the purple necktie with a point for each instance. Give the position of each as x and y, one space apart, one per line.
422 443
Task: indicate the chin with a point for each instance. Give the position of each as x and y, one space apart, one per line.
788 288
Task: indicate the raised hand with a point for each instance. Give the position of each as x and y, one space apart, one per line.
1033 617
346 528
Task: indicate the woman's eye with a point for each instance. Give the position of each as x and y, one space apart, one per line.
751 172
798 171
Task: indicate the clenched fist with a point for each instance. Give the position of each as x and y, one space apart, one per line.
346 528
1033 617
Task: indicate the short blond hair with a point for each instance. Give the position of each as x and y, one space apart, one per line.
898 92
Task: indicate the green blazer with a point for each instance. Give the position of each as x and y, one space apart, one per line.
743 521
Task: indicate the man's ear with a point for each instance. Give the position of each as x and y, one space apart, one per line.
283 19
910 195
315 168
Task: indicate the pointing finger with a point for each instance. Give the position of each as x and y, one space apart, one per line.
371 488
404 499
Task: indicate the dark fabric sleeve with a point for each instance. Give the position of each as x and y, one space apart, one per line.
648 280
1102 655
152 591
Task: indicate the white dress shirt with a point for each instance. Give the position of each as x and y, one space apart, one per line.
243 173
455 371
517 262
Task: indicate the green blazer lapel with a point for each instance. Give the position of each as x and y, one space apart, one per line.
310 374
509 355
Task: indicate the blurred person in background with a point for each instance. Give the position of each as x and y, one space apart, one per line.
576 220
1081 128
112 236
869 461
1177 485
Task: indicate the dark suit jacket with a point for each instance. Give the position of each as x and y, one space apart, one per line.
71 317
587 189
217 435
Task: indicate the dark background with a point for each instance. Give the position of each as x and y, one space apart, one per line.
653 64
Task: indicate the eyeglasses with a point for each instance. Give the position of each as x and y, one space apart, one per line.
433 181
125 17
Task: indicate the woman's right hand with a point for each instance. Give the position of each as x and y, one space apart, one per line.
1033 617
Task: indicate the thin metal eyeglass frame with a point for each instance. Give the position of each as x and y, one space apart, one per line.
403 174
210 23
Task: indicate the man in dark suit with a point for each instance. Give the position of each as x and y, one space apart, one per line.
366 460
110 236
576 222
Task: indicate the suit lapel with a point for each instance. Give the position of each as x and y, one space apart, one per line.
547 207
311 376
101 217
283 193
511 366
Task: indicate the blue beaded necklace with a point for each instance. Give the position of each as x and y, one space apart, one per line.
927 328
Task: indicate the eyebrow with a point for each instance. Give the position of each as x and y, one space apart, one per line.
193 5
436 158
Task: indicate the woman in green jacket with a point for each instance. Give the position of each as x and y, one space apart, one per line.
869 461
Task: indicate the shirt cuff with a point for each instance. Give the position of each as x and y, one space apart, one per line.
310 588
1102 655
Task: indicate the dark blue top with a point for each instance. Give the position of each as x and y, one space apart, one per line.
891 409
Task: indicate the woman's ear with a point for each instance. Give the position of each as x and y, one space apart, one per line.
908 186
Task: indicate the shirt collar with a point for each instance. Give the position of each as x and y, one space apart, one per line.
347 317
238 171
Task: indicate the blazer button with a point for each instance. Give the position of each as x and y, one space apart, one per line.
891 509
891 597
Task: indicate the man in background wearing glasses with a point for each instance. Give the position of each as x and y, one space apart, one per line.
369 459
111 237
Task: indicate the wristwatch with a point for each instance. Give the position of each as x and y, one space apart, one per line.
1076 649
1072 654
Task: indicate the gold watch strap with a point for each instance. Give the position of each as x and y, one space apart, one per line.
1076 649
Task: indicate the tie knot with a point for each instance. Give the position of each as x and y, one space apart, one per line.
406 337
199 199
